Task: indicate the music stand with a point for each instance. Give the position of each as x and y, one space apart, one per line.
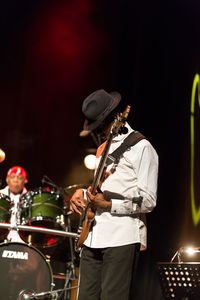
180 281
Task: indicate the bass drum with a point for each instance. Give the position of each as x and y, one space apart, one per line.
24 270
5 214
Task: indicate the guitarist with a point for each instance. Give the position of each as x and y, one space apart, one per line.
128 191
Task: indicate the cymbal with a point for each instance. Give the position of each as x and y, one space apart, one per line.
2 155
71 189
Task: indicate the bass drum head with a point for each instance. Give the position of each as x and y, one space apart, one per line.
23 268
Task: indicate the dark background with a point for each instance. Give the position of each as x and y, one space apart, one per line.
54 53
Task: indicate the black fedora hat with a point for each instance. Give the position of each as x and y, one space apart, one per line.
96 107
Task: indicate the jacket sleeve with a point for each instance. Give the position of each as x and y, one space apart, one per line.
144 195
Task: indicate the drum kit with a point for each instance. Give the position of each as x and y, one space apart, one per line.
43 225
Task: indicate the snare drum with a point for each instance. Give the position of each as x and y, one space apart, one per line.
42 207
25 271
5 214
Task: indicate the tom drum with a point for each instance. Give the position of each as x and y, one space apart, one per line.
42 207
5 214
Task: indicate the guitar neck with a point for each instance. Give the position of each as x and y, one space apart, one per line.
101 165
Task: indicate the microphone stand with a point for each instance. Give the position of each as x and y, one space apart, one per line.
60 190
47 180
27 294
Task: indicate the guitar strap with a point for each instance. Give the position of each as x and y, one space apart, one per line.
132 139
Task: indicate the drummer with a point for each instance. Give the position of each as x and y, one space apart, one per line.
16 179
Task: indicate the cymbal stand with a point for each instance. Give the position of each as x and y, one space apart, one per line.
13 235
71 245
70 268
66 291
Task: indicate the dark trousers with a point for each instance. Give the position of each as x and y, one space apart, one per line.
107 273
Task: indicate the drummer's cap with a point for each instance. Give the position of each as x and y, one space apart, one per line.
18 171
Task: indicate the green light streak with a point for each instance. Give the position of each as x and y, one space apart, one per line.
195 210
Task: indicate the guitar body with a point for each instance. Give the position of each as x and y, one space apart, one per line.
89 213
84 230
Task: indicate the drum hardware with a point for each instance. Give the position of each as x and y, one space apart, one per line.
24 294
60 220
63 276
13 234
59 276
47 259
70 267
42 230
69 276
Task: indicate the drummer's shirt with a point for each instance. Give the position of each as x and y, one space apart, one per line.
133 177
13 235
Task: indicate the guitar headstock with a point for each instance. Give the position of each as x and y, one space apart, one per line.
120 121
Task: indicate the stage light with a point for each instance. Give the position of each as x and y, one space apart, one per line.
190 251
89 161
184 253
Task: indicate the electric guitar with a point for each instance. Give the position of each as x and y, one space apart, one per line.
89 213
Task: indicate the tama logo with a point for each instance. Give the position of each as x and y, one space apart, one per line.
15 254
